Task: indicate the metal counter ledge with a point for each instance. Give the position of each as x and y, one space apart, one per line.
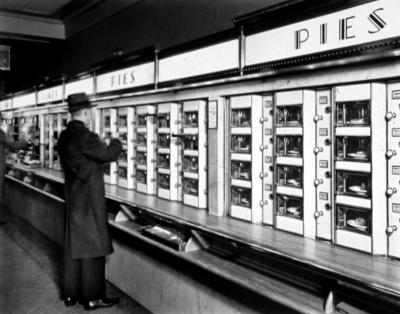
375 273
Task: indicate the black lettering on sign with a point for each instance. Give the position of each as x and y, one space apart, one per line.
300 37
344 27
377 21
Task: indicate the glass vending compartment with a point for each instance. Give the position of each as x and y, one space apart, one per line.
107 169
241 170
163 161
241 117
142 120
123 137
241 196
141 159
163 181
290 206
291 146
122 121
122 173
190 164
191 142
290 176
190 119
241 144
191 186
163 120
289 115
354 184
106 119
164 140
141 139
353 113
353 219
123 157
141 176
353 148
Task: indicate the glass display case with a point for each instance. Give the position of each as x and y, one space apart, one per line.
289 116
290 176
163 161
353 219
191 142
141 176
289 146
356 113
163 120
353 148
191 119
241 144
290 206
241 196
191 164
241 170
163 140
163 181
142 120
353 184
141 159
241 117
141 140
122 173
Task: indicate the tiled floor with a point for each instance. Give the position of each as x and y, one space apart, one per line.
30 274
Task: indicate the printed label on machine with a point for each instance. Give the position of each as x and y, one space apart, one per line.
323 132
396 208
396 94
323 196
396 170
268 131
323 164
267 103
396 132
268 187
268 159
323 100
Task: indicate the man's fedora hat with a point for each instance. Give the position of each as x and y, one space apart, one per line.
78 101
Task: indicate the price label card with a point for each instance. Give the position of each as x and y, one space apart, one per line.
396 132
396 94
396 170
323 100
323 196
268 187
268 131
323 132
396 208
268 159
323 164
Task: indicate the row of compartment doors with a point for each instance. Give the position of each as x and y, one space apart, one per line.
320 163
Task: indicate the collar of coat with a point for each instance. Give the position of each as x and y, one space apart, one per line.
76 124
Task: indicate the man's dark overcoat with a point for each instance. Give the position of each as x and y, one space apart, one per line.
82 156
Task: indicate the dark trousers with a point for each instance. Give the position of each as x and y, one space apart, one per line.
84 279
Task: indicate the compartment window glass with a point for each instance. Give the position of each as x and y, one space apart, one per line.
191 119
241 144
241 117
190 186
163 161
289 115
355 184
241 196
353 219
164 140
163 181
353 148
291 146
190 164
290 207
191 142
290 176
353 113
163 120
241 170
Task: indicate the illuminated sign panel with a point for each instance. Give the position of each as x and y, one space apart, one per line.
24 100
50 94
80 86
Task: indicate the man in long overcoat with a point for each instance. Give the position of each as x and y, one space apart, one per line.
87 239
6 143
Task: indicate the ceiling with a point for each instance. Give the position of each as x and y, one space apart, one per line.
41 7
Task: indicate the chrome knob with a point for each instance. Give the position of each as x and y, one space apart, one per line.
318 182
262 147
390 115
318 150
318 118
262 203
390 191
390 153
263 175
262 119
318 214
391 229
328 206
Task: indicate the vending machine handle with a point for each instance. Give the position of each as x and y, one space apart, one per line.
390 115
318 118
391 191
391 229
390 153
318 214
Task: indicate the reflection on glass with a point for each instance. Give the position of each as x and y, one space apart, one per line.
241 170
122 121
353 219
291 146
163 181
123 156
141 176
289 115
241 196
141 139
163 161
142 120
290 206
241 144
353 148
141 158
190 164
191 142
163 120
241 117
164 140
355 184
353 113
290 176
190 186
122 172
191 119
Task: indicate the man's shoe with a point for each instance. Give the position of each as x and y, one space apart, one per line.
2 222
69 301
97 304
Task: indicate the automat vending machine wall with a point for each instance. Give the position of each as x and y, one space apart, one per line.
126 122
360 167
145 149
169 151
294 172
245 158
194 142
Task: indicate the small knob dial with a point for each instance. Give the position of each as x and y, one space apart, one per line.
391 191
317 150
262 119
390 153
391 229
318 182
262 203
318 118
263 175
262 147
318 214
390 115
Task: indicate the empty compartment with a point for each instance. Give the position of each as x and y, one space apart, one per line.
191 142
353 148
241 117
353 219
163 120
191 164
291 146
290 206
163 140
241 144
289 115
191 186
353 113
290 176
163 181
190 119
241 196
163 161
241 170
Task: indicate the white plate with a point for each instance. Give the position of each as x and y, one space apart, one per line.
357 189
293 182
293 210
293 152
353 224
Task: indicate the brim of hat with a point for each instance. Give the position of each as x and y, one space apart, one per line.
80 107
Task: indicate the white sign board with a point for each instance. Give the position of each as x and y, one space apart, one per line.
5 104
24 100
50 94
135 76
374 21
216 58
80 86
